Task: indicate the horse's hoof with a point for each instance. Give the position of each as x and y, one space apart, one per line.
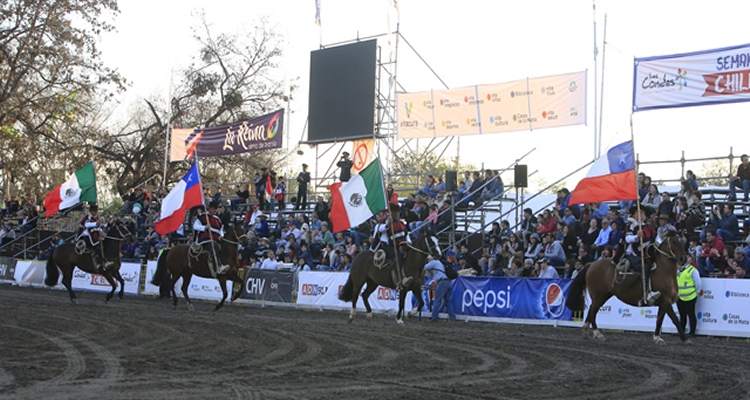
369 317
400 321
688 342
74 301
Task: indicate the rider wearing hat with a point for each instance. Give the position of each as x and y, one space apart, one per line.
209 230
638 236
391 234
91 227
346 166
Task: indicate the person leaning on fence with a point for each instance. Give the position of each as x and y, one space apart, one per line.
435 270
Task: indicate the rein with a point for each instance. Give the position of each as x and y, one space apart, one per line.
429 247
119 239
669 255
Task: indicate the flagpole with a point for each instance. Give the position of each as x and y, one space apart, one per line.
167 130
640 223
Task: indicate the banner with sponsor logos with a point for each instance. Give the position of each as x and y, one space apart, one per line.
322 289
29 272
527 104
131 274
268 285
262 133
511 298
200 288
692 79
7 268
722 310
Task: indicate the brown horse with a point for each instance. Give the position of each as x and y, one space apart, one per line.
66 257
180 262
364 271
603 283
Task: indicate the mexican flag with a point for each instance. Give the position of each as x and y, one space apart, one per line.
80 187
354 202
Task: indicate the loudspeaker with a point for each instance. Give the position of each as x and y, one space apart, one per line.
451 181
521 176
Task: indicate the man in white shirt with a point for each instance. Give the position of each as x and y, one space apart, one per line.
270 262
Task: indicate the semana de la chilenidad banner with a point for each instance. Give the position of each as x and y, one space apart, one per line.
262 133
527 104
692 79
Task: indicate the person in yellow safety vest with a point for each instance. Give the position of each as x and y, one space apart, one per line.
689 287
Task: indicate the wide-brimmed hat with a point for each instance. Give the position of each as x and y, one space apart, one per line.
664 217
535 236
213 204
93 207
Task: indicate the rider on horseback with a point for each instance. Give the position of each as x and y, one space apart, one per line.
637 239
209 230
390 234
91 227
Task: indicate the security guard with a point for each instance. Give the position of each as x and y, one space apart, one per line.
689 286
209 231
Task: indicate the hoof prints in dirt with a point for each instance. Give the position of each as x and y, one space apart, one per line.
137 348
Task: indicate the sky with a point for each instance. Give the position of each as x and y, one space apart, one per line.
477 42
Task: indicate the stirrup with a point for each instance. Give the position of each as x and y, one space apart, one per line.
407 281
222 269
652 297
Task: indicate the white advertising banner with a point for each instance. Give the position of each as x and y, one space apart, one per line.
322 289
30 272
526 104
723 309
200 288
131 274
691 79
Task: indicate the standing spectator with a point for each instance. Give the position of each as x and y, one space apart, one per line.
688 286
217 196
322 209
260 187
303 179
741 180
346 167
392 196
280 193
435 270
242 196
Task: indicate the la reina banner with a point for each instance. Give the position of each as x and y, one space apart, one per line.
692 79
527 104
257 134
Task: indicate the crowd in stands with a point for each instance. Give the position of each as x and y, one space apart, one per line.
555 242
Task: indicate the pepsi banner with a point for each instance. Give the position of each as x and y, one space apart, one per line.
257 134
511 298
268 285
692 79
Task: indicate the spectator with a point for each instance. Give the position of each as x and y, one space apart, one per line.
690 178
251 215
553 251
242 197
346 262
584 255
726 223
607 252
489 256
599 210
392 196
528 268
280 193
474 191
461 199
652 199
270 261
435 270
741 180
592 233
260 187
569 241
303 179
742 260
666 206
302 265
262 229
534 248
217 196
495 187
321 209
546 223
346 167
602 239
516 269
428 190
545 271
695 214
713 254
686 191
529 224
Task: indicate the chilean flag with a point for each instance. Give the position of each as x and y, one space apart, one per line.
184 196
612 177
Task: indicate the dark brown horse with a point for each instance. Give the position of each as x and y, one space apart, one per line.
181 262
603 282
66 258
364 271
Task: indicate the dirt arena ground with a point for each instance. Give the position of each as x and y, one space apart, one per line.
141 348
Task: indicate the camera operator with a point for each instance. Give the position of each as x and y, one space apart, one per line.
346 167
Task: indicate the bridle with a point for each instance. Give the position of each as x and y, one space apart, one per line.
430 247
119 226
224 239
669 255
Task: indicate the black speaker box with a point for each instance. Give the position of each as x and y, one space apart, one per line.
451 182
521 178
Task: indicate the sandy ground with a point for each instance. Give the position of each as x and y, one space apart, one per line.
141 348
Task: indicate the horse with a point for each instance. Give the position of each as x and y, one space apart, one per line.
364 270
67 256
182 262
603 282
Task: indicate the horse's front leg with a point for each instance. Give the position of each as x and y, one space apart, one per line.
185 285
223 283
116 274
108 276
401 301
667 308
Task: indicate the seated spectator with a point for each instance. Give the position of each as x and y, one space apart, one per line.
529 224
471 259
534 247
516 268
570 268
696 213
460 197
606 252
475 193
666 206
652 199
242 197
445 217
686 191
301 264
590 236
713 254
546 223
495 187
545 270
725 222
430 220
691 179
262 229
584 255
568 218
270 262
598 210
490 252
528 268
440 185
569 241
740 180
742 260
464 269
346 262
554 253
428 190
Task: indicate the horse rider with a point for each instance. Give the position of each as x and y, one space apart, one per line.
391 240
638 237
209 230
91 227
